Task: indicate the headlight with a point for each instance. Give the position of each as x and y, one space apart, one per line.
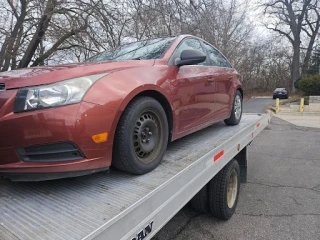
56 94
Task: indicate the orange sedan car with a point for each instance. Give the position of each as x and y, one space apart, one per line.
119 108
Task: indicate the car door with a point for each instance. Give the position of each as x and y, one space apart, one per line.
194 96
222 74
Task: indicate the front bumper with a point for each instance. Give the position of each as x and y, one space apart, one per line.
75 123
280 95
34 177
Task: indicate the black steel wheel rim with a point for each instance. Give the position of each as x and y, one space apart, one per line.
147 137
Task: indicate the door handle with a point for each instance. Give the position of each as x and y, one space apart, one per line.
210 80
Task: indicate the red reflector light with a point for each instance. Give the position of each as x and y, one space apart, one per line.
218 155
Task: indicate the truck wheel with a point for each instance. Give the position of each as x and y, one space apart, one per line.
200 202
236 112
141 137
224 191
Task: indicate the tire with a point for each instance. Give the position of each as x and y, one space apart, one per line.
141 137
274 97
223 205
200 202
236 112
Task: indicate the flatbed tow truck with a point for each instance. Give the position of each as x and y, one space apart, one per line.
117 205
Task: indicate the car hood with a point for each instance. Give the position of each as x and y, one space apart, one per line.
50 74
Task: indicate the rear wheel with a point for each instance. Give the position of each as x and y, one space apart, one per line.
224 191
141 137
236 112
200 202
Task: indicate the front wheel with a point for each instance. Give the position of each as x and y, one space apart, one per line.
141 137
236 112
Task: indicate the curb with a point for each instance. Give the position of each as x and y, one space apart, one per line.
273 109
297 113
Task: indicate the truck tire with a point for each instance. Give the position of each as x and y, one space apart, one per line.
224 191
141 137
200 202
236 112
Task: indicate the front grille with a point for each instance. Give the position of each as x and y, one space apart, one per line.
2 86
52 152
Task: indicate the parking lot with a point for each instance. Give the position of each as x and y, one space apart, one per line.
282 196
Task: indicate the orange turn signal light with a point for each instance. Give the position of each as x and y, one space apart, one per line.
101 137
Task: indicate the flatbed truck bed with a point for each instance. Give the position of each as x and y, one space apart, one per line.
118 205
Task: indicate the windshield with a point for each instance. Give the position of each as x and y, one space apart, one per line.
148 49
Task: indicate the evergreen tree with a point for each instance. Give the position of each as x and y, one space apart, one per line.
315 62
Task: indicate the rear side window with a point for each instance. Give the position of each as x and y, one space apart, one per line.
189 43
217 59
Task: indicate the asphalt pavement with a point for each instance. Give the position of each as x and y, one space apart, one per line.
257 105
281 199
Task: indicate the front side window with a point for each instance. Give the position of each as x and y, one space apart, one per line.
189 43
217 59
143 50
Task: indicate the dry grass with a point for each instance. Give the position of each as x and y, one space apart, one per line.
248 95
293 98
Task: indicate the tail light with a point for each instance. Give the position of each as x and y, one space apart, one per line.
285 92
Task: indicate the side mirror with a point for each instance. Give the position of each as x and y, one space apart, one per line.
190 57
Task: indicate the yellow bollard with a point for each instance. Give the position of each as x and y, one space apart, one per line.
302 105
277 105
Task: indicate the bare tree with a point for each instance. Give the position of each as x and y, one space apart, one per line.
40 32
9 47
290 18
264 65
40 29
224 24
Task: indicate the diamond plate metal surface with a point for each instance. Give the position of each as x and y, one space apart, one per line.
74 208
